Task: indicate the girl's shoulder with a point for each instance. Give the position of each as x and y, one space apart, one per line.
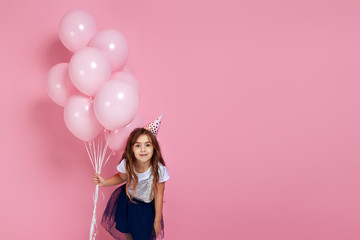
122 166
163 173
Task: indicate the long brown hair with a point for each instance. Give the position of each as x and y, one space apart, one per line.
130 159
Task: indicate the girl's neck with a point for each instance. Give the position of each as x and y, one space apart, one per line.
142 167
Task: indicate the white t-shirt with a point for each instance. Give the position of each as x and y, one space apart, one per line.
163 173
144 189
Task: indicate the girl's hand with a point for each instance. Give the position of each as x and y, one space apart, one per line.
99 180
157 227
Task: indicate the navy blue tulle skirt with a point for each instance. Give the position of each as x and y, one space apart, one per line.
126 220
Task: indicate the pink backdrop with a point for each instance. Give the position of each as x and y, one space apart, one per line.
261 124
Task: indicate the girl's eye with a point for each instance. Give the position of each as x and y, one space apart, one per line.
148 145
137 145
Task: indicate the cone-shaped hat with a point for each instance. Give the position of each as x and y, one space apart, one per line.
154 125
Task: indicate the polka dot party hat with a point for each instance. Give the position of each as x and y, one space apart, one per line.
154 125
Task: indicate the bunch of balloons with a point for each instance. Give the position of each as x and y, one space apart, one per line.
97 89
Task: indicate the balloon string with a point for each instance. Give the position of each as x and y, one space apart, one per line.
95 158
104 152
91 159
98 150
97 155
93 221
108 158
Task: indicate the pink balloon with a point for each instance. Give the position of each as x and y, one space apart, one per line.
114 44
129 78
117 138
127 68
80 118
59 86
76 29
116 104
89 69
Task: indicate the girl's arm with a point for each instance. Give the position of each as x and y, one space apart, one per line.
114 180
159 196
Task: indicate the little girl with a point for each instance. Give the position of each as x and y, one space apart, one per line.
134 210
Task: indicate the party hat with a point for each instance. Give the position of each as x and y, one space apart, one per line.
154 125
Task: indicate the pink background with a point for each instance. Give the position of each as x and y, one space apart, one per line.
261 117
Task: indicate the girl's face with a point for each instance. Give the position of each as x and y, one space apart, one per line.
143 148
